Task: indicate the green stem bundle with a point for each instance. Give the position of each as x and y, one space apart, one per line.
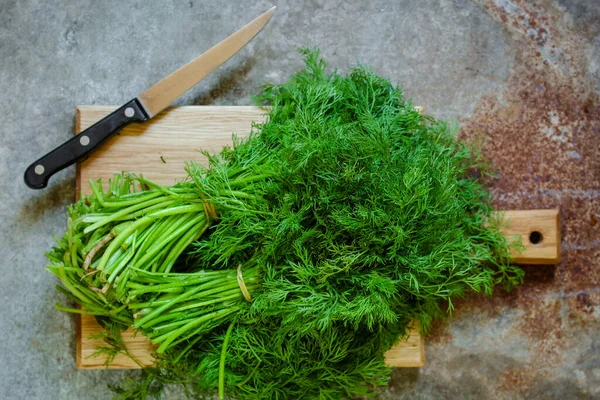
116 258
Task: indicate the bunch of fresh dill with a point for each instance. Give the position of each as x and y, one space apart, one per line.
349 214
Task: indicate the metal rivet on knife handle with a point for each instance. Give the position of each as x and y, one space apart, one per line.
129 112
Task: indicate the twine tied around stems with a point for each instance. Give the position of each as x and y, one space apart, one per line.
243 288
209 210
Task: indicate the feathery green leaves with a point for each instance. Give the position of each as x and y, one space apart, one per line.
351 214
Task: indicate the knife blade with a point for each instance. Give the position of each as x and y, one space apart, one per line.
143 107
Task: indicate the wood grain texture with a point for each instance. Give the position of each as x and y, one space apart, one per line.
525 222
409 353
159 149
138 346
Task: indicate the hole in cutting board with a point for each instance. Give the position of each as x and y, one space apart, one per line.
536 237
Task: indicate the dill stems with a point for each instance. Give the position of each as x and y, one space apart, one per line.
350 215
117 256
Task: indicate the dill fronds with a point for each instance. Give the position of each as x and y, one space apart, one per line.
351 215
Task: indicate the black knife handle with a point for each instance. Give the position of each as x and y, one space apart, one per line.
79 147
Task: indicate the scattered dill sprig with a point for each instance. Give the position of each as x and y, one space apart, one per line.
115 345
350 215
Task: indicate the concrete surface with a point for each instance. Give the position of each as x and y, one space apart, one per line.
526 75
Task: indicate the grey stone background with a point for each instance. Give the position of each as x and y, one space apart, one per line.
526 74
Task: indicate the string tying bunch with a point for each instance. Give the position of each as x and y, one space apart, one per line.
243 288
210 211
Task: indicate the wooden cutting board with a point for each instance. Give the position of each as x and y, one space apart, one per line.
159 149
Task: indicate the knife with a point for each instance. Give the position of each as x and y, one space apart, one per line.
142 108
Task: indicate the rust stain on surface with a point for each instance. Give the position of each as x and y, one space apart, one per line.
543 135
515 380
